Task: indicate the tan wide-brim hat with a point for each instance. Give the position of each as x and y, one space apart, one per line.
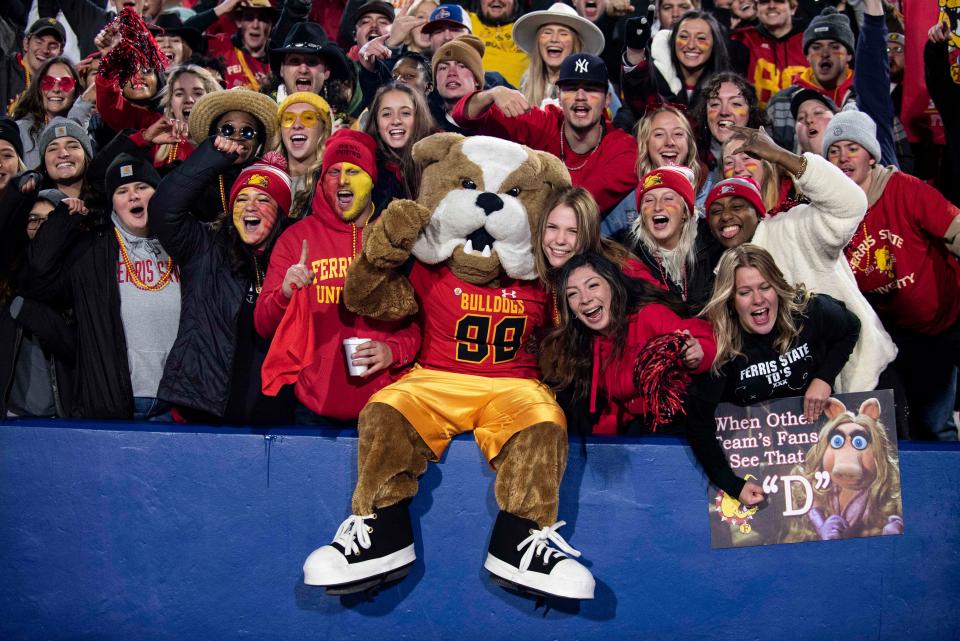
526 27
216 103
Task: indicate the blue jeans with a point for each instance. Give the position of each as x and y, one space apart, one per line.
151 409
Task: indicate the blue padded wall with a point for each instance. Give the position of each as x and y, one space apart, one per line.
114 531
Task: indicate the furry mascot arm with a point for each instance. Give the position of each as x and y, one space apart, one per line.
373 287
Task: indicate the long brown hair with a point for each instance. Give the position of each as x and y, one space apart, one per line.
31 102
589 238
721 313
566 355
423 126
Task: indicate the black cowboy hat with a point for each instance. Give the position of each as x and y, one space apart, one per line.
310 38
169 23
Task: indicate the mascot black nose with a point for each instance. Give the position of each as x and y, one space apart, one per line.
489 203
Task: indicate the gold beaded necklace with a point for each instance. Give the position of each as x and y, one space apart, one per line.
157 286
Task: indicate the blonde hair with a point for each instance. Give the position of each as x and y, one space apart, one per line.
166 96
536 79
721 313
645 130
589 238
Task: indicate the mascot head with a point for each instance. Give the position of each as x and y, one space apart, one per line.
484 195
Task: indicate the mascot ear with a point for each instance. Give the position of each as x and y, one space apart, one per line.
834 408
435 147
552 170
871 408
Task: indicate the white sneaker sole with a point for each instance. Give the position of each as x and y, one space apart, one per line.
567 587
328 567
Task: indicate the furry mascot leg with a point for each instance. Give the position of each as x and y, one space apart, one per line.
529 468
391 457
375 544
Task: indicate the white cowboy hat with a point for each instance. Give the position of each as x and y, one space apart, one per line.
526 27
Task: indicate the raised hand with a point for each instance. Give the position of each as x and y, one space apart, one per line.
166 131
227 147
374 50
107 39
402 26
75 206
510 101
693 353
298 275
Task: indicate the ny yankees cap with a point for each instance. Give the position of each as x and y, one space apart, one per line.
583 67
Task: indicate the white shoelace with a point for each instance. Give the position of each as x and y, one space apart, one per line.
540 540
351 532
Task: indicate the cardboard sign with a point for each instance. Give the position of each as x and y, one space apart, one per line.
837 478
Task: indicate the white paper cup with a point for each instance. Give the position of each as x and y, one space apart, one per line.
349 347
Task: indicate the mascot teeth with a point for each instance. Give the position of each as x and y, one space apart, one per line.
486 251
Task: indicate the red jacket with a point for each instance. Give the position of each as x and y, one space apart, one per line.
609 173
900 259
615 377
118 112
243 70
319 319
775 63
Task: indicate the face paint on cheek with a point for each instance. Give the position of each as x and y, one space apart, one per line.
254 222
361 185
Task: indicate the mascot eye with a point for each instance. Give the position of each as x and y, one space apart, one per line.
859 442
468 184
514 192
836 441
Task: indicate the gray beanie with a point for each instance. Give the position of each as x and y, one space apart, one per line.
855 126
829 25
61 127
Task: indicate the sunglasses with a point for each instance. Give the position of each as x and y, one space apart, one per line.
228 131
308 118
897 49
66 83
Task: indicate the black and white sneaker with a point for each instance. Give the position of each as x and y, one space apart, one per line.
521 554
366 551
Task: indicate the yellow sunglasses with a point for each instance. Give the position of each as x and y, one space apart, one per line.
308 118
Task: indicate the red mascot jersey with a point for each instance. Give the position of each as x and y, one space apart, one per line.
477 330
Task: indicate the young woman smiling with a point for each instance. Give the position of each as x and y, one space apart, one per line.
548 37
759 318
222 268
54 91
664 138
305 125
681 61
571 226
399 118
670 239
606 323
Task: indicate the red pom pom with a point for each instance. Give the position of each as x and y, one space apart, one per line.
660 378
136 50
274 158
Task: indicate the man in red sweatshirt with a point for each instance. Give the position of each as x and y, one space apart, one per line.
599 157
245 53
301 305
904 257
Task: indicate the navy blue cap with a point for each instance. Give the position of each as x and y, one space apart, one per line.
583 67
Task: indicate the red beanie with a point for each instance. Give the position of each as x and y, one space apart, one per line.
269 176
746 188
678 178
354 147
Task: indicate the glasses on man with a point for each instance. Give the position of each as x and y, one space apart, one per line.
307 118
35 220
66 83
229 131
895 49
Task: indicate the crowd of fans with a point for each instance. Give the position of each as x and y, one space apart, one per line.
741 174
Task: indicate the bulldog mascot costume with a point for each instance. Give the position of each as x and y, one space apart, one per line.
479 302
